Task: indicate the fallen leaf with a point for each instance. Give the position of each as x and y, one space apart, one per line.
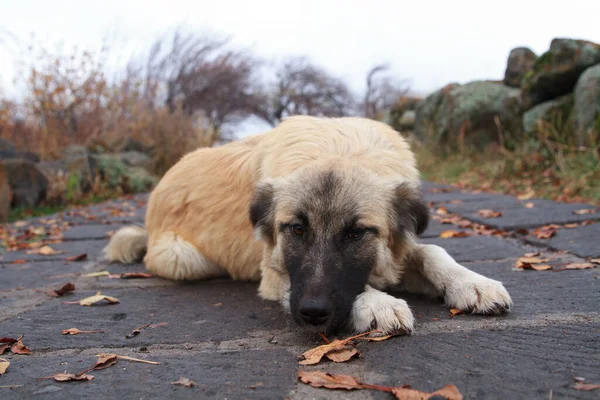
44 251
126 358
453 234
584 211
75 331
487 213
529 205
184 382
98 297
546 232
595 260
455 311
96 274
342 355
527 195
20 224
577 266
80 257
378 338
532 254
105 360
66 288
4 347
3 365
588 387
132 275
18 347
532 262
20 261
449 392
442 211
314 356
70 377
323 379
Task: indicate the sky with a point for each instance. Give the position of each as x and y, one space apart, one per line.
428 43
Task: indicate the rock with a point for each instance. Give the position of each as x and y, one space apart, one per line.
586 111
138 179
27 183
407 121
466 114
26 155
80 164
5 195
135 159
555 72
552 112
399 111
6 145
118 175
520 61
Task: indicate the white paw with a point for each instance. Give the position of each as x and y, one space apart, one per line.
373 309
478 294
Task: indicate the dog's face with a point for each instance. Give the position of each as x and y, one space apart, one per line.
331 230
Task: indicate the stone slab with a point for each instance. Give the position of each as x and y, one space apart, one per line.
583 241
476 248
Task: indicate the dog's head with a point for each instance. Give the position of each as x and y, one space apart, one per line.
333 230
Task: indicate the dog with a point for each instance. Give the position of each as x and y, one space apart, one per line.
323 212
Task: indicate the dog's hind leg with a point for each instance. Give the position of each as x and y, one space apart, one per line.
431 270
171 256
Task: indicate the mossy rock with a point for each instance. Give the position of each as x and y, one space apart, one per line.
555 72
401 110
587 107
520 62
554 113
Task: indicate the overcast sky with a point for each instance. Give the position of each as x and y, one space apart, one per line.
430 43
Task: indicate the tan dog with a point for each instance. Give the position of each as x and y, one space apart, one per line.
324 212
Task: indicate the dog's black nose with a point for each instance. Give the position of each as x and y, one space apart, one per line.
315 311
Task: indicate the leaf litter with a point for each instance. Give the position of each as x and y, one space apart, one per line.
64 289
80 257
184 382
532 261
15 346
487 213
97 298
4 364
75 331
137 331
319 379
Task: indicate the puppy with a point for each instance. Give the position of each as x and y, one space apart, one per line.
323 212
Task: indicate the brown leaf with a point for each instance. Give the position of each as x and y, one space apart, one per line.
323 379
378 338
98 297
4 347
588 387
455 311
453 234
527 195
184 382
313 356
532 262
532 254
75 331
546 232
70 377
126 358
342 355
529 205
595 260
134 275
20 261
19 348
571 226
442 211
66 288
584 211
45 251
449 392
585 265
80 257
487 213
105 360
3 365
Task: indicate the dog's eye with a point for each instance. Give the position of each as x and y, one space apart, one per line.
355 234
298 230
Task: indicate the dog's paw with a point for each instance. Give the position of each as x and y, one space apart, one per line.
478 295
375 310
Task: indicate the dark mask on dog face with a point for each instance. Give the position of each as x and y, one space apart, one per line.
331 231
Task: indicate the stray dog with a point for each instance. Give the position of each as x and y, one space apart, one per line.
324 212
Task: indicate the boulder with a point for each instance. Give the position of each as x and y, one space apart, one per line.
520 62
135 159
553 113
138 179
586 111
471 114
5 195
116 174
27 183
407 120
80 164
555 72
397 116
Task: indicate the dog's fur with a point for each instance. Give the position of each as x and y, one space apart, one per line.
323 212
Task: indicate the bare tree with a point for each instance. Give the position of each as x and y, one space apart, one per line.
301 88
382 91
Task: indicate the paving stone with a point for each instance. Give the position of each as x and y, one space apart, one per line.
92 248
87 232
476 248
435 228
583 241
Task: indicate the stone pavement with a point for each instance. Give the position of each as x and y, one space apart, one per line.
234 345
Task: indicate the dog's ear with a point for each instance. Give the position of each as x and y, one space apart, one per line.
262 208
411 212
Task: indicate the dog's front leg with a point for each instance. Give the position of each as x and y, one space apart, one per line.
461 288
377 310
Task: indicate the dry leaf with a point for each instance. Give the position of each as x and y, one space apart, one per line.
442 211
449 392
98 297
529 205
45 251
323 379
584 211
342 355
527 195
132 275
184 382
70 377
577 266
105 360
453 234
19 348
546 232
20 261
378 338
532 262
66 288
313 356
455 311
595 260
81 257
532 254
20 224
3 365
4 347
487 213
96 274
126 358
75 331
588 387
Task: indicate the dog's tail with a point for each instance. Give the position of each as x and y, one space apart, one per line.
127 245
